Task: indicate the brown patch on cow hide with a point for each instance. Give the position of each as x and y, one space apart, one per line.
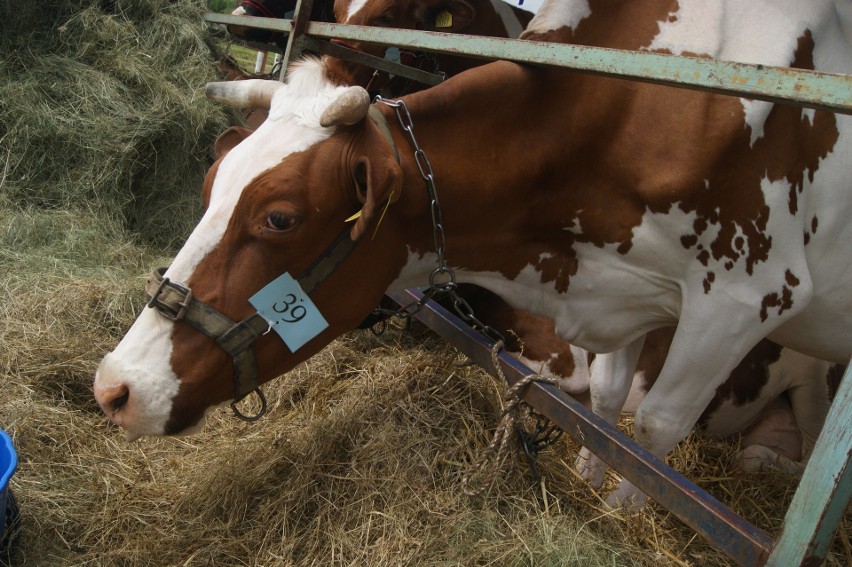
708 281
747 379
613 23
654 353
790 148
624 149
783 300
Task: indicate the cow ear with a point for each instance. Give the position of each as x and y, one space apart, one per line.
378 183
228 140
452 16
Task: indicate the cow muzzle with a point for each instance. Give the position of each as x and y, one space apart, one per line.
176 302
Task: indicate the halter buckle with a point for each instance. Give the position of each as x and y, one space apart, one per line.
176 311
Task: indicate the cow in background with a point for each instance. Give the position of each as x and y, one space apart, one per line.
321 11
492 18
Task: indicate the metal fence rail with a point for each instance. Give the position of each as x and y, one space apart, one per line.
813 89
826 486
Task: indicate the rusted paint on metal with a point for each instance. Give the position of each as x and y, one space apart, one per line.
249 21
826 91
718 524
824 491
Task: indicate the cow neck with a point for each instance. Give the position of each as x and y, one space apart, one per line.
442 279
177 303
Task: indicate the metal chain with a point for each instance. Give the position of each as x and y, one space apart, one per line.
442 280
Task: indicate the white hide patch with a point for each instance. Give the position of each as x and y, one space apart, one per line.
355 6
151 380
758 31
556 15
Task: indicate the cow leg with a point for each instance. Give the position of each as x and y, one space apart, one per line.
704 351
773 441
810 398
611 378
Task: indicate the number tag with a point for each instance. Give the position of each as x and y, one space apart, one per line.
289 309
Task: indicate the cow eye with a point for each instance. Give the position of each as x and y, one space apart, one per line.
276 220
388 18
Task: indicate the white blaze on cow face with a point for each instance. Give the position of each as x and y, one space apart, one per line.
135 384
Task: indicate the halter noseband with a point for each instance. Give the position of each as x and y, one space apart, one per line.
177 303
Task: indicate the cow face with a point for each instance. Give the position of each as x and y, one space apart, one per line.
428 15
275 202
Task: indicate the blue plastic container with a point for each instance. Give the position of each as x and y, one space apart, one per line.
8 463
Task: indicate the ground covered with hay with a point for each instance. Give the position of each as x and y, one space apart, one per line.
104 134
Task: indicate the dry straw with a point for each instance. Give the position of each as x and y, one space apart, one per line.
102 147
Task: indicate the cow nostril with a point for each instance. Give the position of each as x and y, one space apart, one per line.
119 400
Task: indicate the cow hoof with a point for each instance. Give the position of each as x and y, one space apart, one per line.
758 458
626 498
591 468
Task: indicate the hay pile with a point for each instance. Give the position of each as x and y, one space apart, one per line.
358 462
103 139
102 107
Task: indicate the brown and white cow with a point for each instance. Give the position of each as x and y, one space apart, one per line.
542 348
616 209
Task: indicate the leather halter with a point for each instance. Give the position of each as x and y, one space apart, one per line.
176 302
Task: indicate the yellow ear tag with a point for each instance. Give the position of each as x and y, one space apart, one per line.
353 217
444 20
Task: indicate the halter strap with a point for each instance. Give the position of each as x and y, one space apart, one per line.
177 303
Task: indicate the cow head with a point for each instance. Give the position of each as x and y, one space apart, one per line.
276 200
427 15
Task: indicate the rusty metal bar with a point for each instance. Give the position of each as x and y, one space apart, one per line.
801 87
718 524
368 60
310 43
273 24
824 491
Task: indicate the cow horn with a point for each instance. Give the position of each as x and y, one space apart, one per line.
256 93
350 107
